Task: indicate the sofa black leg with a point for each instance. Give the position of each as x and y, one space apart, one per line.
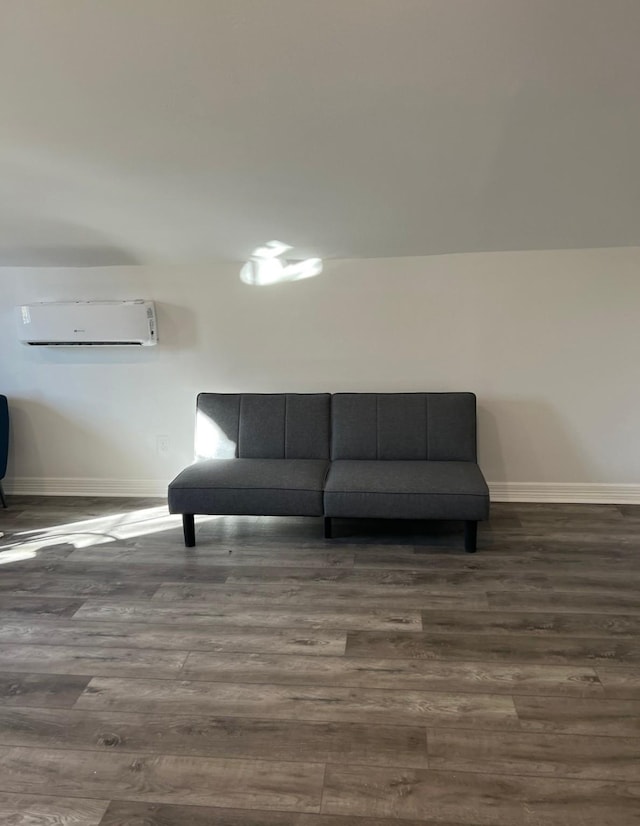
189 528
2 499
327 527
470 536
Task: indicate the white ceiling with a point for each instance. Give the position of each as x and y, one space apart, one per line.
188 130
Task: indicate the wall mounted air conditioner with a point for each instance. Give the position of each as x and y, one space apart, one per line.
85 323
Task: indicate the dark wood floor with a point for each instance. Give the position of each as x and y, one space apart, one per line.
268 677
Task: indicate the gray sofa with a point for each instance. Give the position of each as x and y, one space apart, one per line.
348 455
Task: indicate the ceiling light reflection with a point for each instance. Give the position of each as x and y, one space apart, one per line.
266 267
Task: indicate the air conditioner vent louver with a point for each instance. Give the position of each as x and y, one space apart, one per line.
88 324
83 343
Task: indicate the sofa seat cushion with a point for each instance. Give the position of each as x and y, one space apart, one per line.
260 487
406 490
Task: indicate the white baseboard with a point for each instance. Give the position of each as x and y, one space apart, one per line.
578 492
569 492
34 486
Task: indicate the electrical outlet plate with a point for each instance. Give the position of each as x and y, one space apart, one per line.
162 444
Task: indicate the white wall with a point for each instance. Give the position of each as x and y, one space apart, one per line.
549 341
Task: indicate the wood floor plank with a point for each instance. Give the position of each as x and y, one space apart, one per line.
100 567
549 649
163 779
200 556
592 539
491 560
320 595
61 509
46 690
214 736
615 718
124 813
575 525
141 635
597 525
630 511
530 622
12 607
585 602
556 802
620 683
356 705
594 509
213 615
572 536
436 581
617 583
397 674
48 810
558 545
478 799
23 558
566 515
559 755
41 584
91 660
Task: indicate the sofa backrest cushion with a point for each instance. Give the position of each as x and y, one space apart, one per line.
433 426
263 425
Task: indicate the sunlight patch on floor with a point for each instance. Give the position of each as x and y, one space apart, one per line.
88 532
16 554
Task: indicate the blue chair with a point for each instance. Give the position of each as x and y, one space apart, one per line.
4 443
